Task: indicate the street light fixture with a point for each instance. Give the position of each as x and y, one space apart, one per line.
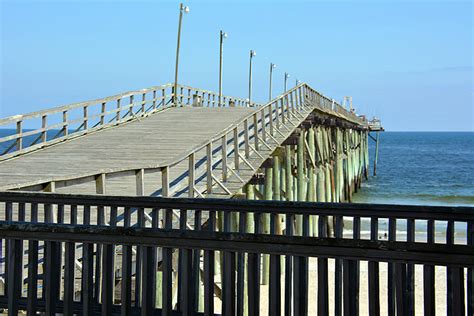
287 75
252 54
182 9
222 36
272 66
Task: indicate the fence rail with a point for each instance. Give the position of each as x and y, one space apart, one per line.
98 254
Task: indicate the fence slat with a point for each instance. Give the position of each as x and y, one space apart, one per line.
32 300
126 289
289 268
87 269
410 271
429 277
209 262
374 285
338 230
275 273
69 268
323 295
392 231
228 284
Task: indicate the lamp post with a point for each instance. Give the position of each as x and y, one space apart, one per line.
182 9
272 66
252 54
222 36
287 75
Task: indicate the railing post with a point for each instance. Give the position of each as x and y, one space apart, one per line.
277 115
270 119
86 117
255 130
209 168
264 131
296 105
19 132
246 138
189 96
154 99
130 109
119 109
143 102
287 106
140 182
181 94
44 135
292 105
102 113
100 184
165 182
283 118
236 148
224 157
163 96
191 175
65 124
301 93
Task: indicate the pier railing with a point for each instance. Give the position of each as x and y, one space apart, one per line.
209 259
37 129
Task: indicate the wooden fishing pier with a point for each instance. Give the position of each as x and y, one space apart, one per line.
173 201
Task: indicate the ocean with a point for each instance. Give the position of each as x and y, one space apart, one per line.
431 168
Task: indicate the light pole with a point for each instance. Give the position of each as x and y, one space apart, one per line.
272 66
222 36
252 54
287 75
182 9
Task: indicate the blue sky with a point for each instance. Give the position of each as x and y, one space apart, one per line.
410 63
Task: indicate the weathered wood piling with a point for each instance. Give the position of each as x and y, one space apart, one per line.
324 160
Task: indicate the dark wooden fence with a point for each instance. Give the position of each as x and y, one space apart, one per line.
141 255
